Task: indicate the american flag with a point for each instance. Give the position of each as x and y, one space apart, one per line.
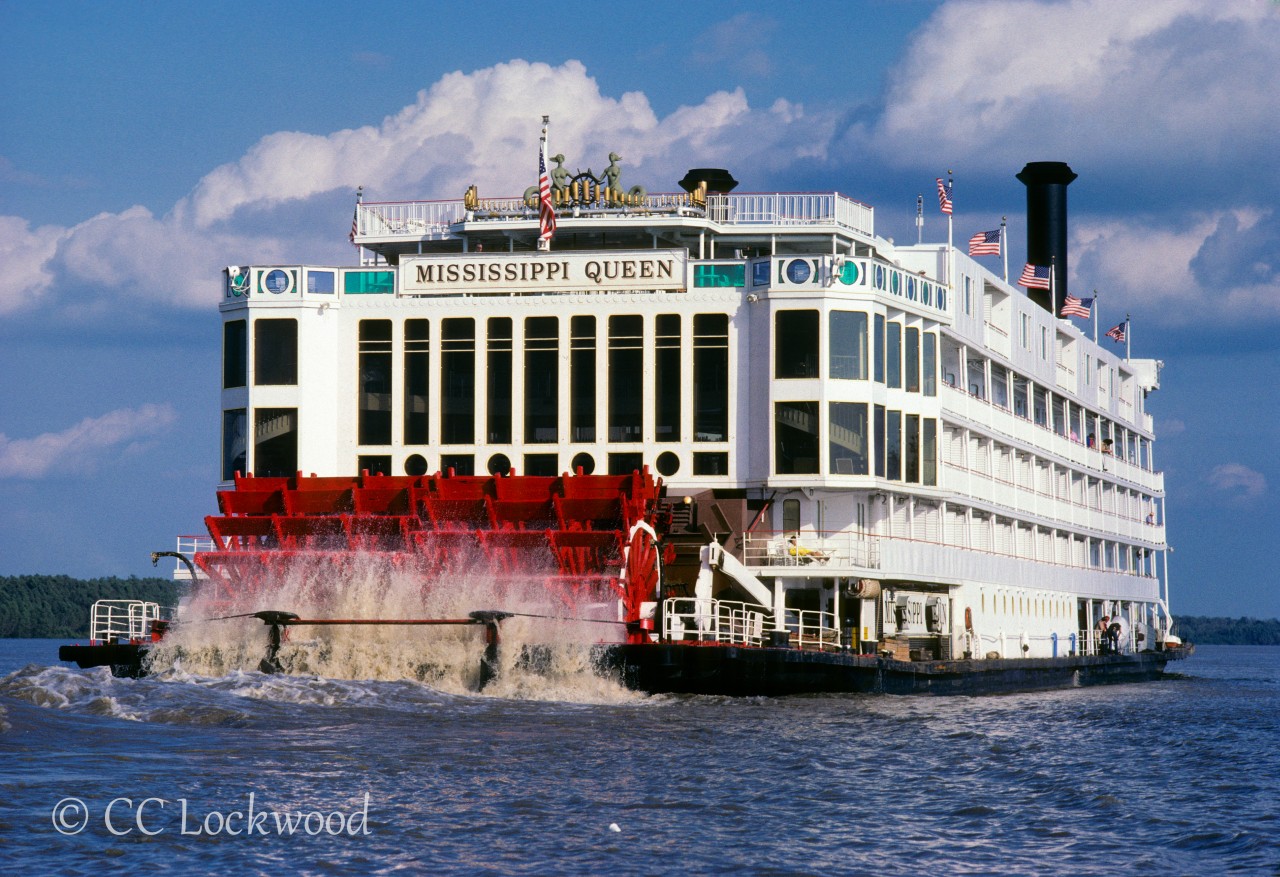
985 243
546 212
1117 332
944 196
1076 307
1034 277
354 230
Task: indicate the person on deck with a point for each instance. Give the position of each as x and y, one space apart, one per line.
804 554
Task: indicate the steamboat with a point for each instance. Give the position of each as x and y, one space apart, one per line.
762 448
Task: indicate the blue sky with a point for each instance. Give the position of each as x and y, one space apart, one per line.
144 146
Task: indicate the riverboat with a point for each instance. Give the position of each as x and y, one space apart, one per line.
763 449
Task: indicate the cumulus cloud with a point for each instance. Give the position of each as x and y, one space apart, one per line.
1098 80
1222 263
81 447
1239 481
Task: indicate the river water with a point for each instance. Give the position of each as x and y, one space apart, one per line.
240 773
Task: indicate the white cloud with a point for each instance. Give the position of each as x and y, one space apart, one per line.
1239 481
1116 81
1221 265
25 255
82 446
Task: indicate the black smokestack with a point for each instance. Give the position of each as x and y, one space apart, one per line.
1046 183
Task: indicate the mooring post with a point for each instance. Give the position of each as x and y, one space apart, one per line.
489 664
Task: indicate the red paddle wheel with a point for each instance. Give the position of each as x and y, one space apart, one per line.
587 539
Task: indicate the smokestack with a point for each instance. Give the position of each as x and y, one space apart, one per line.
1046 183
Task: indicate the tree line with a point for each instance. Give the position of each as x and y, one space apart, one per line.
1227 631
57 607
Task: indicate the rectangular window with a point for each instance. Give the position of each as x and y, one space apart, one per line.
795 344
235 353
911 444
498 369
878 353
791 516
705 463
625 464
1044 343
417 381
711 377
626 381
275 352
929 452
666 374
929 365
374 464
847 438
320 282
795 426
912 360
848 345
458 381
275 445
878 448
582 379
1025 334
541 380
233 443
720 275
374 383
460 464
893 355
369 282
541 464
893 446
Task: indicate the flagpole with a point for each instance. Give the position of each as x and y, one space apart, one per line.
1095 316
1004 247
1128 337
919 219
1053 287
950 257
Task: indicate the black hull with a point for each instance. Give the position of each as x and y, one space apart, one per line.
124 659
736 671
769 672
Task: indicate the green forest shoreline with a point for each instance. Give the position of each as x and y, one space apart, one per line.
57 607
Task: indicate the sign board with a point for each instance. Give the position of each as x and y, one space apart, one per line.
478 273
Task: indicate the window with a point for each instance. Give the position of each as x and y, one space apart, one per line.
374 464
893 355
235 353
848 345
705 463
710 378
275 447
720 275
666 367
233 443
1044 343
795 344
369 282
458 386
498 368
878 353
459 464
374 383
911 444
275 352
878 447
541 380
912 360
968 295
893 446
320 282
929 364
1025 332
929 451
541 464
626 371
625 464
582 379
795 438
847 438
791 516
417 381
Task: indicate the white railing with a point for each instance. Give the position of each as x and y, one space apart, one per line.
719 621
122 620
813 629
842 549
415 219
189 546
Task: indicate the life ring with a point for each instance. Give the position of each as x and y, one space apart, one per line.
968 619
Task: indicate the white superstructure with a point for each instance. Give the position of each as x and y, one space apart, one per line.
967 470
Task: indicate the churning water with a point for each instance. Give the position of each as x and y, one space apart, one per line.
311 773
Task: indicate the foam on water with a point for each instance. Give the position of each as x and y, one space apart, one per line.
445 657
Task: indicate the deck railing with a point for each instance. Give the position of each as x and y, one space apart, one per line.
112 621
719 621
